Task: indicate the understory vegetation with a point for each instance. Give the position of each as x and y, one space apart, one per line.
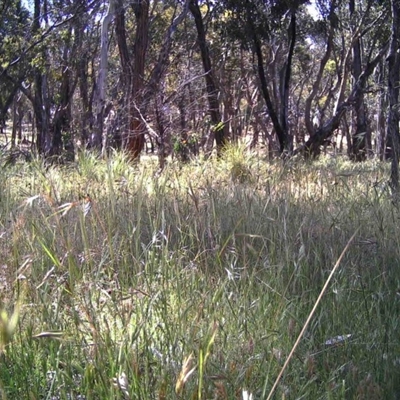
118 281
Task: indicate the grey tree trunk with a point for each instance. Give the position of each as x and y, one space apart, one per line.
41 107
96 138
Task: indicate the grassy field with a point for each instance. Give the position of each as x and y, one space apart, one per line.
196 282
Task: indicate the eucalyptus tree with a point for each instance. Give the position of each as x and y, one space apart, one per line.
322 36
356 39
45 54
369 24
219 129
368 32
393 61
144 62
270 27
14 35
55 69
100 112
361 132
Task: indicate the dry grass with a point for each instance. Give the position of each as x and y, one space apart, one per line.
195 283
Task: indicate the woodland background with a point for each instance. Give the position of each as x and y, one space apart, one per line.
292 75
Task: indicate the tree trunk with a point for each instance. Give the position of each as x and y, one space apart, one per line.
358 150
40 105
62 117
41 108
140 94
62 138
85 119
382 106
220 130
393 61
86 116
132 75
284 141
14 123
317 82
96 138
285 86
136 134
126 75
312 146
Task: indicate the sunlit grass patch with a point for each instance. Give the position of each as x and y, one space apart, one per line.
193 283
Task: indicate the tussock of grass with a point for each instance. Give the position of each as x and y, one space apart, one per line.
195 283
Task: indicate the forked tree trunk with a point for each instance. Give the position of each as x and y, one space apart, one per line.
313 145
283 138
279 118
220 130
318 78
140 93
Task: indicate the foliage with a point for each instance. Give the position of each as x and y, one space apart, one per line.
185 146
50 62
186 284
13 37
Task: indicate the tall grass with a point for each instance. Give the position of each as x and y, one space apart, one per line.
195 283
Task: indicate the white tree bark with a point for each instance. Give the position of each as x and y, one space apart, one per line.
97 139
